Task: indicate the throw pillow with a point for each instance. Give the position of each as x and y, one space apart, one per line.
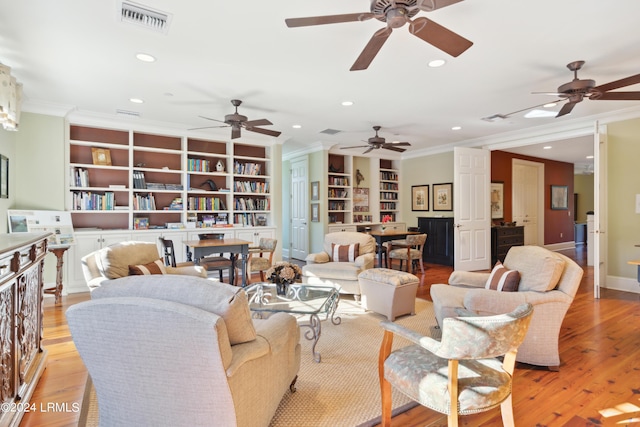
155 267
502 279
345 253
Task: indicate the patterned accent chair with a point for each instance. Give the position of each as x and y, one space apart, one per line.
261 257
460 374
409 250
324 269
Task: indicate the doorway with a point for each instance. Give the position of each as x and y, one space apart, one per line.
299 241
528 199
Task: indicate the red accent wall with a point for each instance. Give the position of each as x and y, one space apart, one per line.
555 173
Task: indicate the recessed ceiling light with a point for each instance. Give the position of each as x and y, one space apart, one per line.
136 100
589 157
437 63
347 103
145 57
296 126
550 105
456 128
547 147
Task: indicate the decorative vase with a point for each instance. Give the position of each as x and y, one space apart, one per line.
282 288
383 227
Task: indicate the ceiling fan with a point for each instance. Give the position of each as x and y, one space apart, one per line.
376 142
578 89
238 121
395 13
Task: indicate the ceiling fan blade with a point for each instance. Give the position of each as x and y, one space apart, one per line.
354 146
209 127
397 144
259 122
547 93
209 118
371 49
399 150
269 132
235 132
566 109
329 19
439 36
431 5
627 81
367 150
619 96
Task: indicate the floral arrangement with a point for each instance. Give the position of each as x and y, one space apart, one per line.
386 219
284 273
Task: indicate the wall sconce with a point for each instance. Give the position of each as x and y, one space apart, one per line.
10 99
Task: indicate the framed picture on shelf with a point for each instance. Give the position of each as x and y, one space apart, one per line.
4 177
559 197
315 212
443 197
101 156
361 200
497 200
419 197
315 191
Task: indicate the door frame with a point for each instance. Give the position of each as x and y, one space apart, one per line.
540 195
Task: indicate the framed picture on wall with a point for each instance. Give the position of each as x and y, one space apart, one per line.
315 212
315 191
4 177
497 200
559 197
419 197
443 197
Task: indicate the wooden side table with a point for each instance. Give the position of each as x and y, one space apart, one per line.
58 251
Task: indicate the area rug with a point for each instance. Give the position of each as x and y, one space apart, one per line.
343 389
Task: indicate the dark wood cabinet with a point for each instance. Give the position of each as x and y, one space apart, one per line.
439 246
502 239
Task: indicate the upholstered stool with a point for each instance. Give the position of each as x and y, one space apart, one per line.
388 292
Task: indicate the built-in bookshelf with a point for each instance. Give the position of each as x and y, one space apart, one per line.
339 197
143 180
389 190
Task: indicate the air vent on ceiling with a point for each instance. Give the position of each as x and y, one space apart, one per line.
495 118
331 131
143 16
127 113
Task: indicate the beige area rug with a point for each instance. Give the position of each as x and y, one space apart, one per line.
343 389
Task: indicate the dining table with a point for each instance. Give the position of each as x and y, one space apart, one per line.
387 235
197 249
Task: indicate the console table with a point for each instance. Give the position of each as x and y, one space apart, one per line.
21 293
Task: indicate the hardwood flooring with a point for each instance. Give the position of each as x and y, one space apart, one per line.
599 350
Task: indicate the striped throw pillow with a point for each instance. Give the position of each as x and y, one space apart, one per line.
502 279
345 253
155 267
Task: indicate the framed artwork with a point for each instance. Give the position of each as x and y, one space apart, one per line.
315 212
4 177
443 197
497 200
361 200
419 197
559 197
315 191
101 156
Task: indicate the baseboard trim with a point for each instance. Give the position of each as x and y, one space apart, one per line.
622 284
561 246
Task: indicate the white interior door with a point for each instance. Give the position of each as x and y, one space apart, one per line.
299 245
472 209
528 199
600 211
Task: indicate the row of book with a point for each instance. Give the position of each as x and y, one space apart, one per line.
88 201
389 186
247 168
199 165
206 204
249 220
334 193
252 187
387 206
138 180
80 177
144 202
388 176
250 204
336 180
389 196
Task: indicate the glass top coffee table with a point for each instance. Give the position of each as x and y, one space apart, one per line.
300 299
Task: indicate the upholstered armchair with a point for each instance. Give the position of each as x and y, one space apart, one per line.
345 255
183 351
114 261
548 280
460 374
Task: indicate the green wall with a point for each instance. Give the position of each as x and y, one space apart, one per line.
8 142
318 164
623 223
428 170
583 187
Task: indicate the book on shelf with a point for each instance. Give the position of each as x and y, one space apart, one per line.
80 177
138 180
155 186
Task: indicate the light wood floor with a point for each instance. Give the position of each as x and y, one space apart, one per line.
599 350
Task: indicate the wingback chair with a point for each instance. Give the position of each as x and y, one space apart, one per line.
548 280
460 374
345 255
169 351
113 261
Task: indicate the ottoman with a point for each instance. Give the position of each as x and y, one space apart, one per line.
388 292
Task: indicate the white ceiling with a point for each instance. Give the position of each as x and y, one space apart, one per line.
76 55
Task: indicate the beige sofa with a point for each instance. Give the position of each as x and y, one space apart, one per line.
548 280
112 262
183 351
323 269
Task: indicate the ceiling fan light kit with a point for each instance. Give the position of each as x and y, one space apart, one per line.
395 13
